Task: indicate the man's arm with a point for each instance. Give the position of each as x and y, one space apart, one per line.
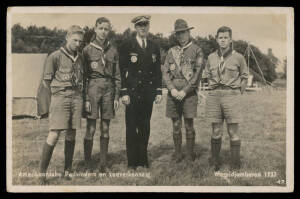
243 74
117 77
85 76
158 73
165 72
123 65
49 69
194 81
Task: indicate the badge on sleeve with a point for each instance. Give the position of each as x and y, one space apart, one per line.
154 58
94 65
172 67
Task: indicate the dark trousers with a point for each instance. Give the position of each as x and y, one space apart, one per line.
138 115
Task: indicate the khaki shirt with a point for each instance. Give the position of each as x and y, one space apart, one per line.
228 70
183 63
102 62
63 70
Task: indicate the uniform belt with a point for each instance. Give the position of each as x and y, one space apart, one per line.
223 87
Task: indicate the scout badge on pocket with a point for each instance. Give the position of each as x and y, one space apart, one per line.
133 57
94 65
154 58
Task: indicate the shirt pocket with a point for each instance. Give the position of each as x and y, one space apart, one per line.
232 71
214 72
95 62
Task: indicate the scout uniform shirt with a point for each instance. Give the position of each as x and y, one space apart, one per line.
227 70
102 61
64 70
183 63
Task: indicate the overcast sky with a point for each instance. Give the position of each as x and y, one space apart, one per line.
262 30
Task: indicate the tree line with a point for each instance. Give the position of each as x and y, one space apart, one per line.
35 39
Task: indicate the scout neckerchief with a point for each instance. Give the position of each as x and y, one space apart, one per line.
102 59
101 49
75 78
178 55
224 56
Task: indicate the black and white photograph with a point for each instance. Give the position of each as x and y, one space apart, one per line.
150 99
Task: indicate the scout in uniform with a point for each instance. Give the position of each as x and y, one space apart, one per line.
181 73
102 88
140 86
226 71
63 72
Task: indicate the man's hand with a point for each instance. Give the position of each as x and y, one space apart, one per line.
158 99
116 105
181 95
174 92
243 85
88 107
126 100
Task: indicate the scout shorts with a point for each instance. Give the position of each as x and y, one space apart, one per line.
223 104
101 97
65 110
187 107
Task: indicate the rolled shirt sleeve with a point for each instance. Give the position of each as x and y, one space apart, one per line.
243 68
49 68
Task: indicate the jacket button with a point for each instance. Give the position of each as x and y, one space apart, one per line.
140 71
140 82
150 82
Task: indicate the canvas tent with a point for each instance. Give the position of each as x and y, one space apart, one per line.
27 70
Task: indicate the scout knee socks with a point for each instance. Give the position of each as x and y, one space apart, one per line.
88 147
69 152
177 138
190 142
215 152
103 152
235 147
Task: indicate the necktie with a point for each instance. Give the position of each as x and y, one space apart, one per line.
143 44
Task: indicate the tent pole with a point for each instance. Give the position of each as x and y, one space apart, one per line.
258 67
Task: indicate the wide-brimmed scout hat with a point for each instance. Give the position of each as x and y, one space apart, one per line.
142 18
181 25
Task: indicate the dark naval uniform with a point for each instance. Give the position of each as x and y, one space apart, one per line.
141 79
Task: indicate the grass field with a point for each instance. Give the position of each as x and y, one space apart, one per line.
263 149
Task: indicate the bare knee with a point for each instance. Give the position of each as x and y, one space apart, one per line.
53 137
105 128
189 125
233 131
217 130
176 125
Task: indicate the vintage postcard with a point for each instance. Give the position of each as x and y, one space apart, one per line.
150 99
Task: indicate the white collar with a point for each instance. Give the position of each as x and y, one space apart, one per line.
184 47
139 40
68 55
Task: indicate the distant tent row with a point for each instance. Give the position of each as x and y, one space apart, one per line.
27 70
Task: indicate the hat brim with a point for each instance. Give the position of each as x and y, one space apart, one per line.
182 29
142 21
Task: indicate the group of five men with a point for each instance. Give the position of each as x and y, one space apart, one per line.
97 78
